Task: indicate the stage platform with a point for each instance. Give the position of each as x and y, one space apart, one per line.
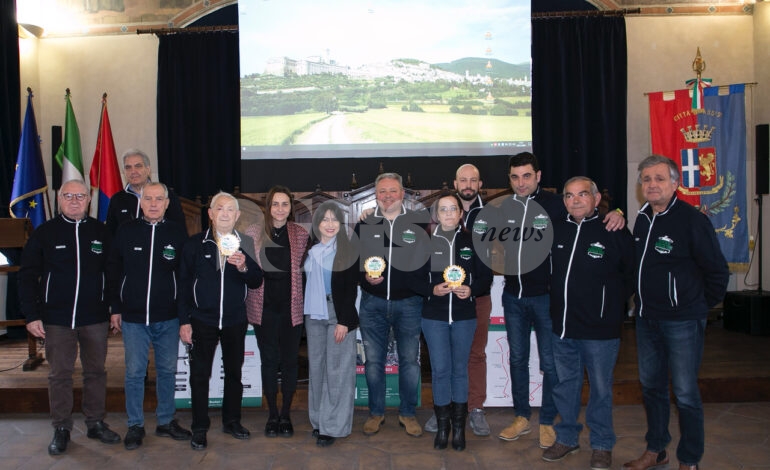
736 368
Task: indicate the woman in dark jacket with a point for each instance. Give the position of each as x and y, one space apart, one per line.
331 269
457 274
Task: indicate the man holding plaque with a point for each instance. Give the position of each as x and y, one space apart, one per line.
593 277
394 249
217 267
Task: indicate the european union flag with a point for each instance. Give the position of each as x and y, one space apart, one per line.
29 182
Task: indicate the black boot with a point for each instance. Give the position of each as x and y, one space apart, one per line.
61 438
459 415
443 414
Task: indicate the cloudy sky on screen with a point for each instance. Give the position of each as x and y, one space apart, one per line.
357 32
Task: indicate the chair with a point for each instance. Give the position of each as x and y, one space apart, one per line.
14 234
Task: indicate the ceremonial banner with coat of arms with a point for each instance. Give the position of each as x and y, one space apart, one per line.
709 145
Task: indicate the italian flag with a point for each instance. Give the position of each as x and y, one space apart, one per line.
69 156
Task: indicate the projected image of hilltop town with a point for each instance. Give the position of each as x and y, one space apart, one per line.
386 84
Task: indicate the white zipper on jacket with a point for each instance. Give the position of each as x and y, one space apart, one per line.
77 273
149 279
390 253
390 243
521 243
676 296
641 261
222 262
138 201
451 262
604 296
566 282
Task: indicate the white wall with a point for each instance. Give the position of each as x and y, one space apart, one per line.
125 67
660 55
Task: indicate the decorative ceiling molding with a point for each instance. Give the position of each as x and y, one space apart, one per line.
665 8
111 24
136 15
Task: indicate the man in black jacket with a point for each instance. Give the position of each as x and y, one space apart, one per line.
592 278
529 217
217 268
142 273
391 299
61 287
124 205
681 272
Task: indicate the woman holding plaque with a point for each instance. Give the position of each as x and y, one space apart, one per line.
331 270
275 309
457 274
217 267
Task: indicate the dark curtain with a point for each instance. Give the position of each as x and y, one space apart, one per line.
10 136
199 113
579 101
10 110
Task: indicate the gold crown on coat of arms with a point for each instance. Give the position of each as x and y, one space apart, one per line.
697 133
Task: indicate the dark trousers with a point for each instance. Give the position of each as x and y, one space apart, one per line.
205 339
278 343
61 349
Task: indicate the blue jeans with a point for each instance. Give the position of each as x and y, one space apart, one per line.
137 337
598 357
377 316
520 316
450 349
675 347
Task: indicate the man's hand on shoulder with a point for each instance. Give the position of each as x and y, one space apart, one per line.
614 220
365 213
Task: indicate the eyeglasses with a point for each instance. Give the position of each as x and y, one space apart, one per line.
448 209
80 197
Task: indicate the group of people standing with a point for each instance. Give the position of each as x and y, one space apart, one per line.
423 272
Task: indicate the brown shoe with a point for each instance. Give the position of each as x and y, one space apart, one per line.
518 428
547 436
601 459
647 461
558 451
373 424
411 425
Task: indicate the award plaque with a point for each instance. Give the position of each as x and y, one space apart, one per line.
228 244
374 266
454 275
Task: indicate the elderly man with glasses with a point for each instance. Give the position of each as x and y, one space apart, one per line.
62 297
